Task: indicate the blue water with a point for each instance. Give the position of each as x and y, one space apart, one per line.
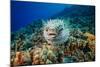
23 13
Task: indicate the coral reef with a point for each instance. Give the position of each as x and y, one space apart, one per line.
29 46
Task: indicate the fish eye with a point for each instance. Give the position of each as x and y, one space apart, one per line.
61 29
47 29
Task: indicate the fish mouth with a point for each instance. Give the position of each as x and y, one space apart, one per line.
52 35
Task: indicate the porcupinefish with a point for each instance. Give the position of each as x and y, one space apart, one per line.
56 31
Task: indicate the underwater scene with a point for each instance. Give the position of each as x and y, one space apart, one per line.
51 33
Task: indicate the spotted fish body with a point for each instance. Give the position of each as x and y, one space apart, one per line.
56 31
